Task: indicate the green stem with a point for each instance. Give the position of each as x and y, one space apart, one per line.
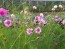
15 40
19 43
4 44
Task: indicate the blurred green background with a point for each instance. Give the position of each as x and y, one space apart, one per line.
43 6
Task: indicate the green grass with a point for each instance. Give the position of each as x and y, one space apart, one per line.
51 37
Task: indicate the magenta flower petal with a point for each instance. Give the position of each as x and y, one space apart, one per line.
3 12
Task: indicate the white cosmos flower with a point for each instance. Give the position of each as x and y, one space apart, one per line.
60 6
55 6
53 9
12 16
34 7
41 15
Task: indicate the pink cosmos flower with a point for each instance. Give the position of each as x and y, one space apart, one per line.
37 19
63 22
38 30
29 31
57 18
3 12
7 23
43 22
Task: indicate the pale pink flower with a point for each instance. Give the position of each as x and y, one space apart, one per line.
43 22
7 17
63 22
7 23
41 15
3 12
29 31
38 30
57 18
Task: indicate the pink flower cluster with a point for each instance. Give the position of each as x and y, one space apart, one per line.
30 30
57 18
3 13
39 20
